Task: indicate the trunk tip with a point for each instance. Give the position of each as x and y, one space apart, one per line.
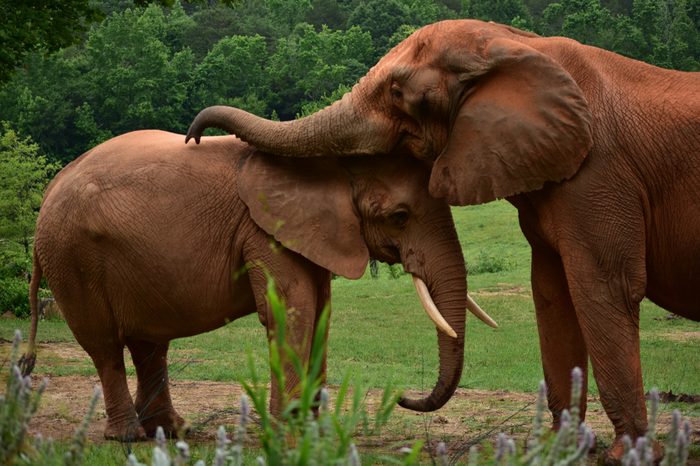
423 405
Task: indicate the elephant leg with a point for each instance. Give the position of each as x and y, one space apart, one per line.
607 300
153 403
562 345
305 288
122 423
98 335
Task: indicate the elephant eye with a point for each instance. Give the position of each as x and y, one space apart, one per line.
396 92
399 218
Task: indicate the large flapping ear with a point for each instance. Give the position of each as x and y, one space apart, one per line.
306 204
524 122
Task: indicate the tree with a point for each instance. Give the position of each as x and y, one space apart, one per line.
41 101
309 64
233 73
500 11
23 176
590 23
134 80
381 18
32 25
670 35
331 13
247 18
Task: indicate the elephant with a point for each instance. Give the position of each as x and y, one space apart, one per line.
599 153
143 239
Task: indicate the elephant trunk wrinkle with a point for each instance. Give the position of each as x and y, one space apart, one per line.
445 276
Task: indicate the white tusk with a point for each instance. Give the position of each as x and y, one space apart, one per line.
431 309
478 312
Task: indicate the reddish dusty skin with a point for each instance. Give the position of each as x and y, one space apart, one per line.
599 153
144 239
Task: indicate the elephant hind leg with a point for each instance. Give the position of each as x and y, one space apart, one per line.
93 326
153 404
122 423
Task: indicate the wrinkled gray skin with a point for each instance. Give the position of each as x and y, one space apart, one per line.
144 239
599 153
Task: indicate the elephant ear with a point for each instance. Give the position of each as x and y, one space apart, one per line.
306 204
524 122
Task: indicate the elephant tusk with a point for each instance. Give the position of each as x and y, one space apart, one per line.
478 312
431 309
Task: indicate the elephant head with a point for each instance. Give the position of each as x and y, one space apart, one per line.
338 212
495 114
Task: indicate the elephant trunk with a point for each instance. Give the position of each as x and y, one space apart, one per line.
447 283
339 129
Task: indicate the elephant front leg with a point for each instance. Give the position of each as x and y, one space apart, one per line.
607 306
562 345
304 308
305 289
153 403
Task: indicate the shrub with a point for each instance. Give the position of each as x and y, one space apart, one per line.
488 263
14 296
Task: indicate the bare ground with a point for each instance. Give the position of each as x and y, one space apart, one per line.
470 417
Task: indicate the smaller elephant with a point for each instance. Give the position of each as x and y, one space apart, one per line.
144 239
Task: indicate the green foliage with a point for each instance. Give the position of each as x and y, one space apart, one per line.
658 31
308 65
14 294
381 18
308 108
23 175
40 25
134 79
231 74
501 11
488 263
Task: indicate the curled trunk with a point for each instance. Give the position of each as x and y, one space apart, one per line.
336 130
448 288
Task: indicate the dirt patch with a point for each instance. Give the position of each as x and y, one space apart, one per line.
504 289
682 336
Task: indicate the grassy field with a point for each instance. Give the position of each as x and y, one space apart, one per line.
379 332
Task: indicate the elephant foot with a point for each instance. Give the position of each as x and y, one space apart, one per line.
613 455
172 423
125 432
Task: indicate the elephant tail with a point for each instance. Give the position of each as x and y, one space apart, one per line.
28 359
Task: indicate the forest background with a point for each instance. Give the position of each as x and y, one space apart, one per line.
77 72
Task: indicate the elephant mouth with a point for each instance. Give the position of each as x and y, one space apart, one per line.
389 254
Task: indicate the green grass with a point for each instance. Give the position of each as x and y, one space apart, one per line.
380 332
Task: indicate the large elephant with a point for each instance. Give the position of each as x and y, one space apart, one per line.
599 153
143 239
